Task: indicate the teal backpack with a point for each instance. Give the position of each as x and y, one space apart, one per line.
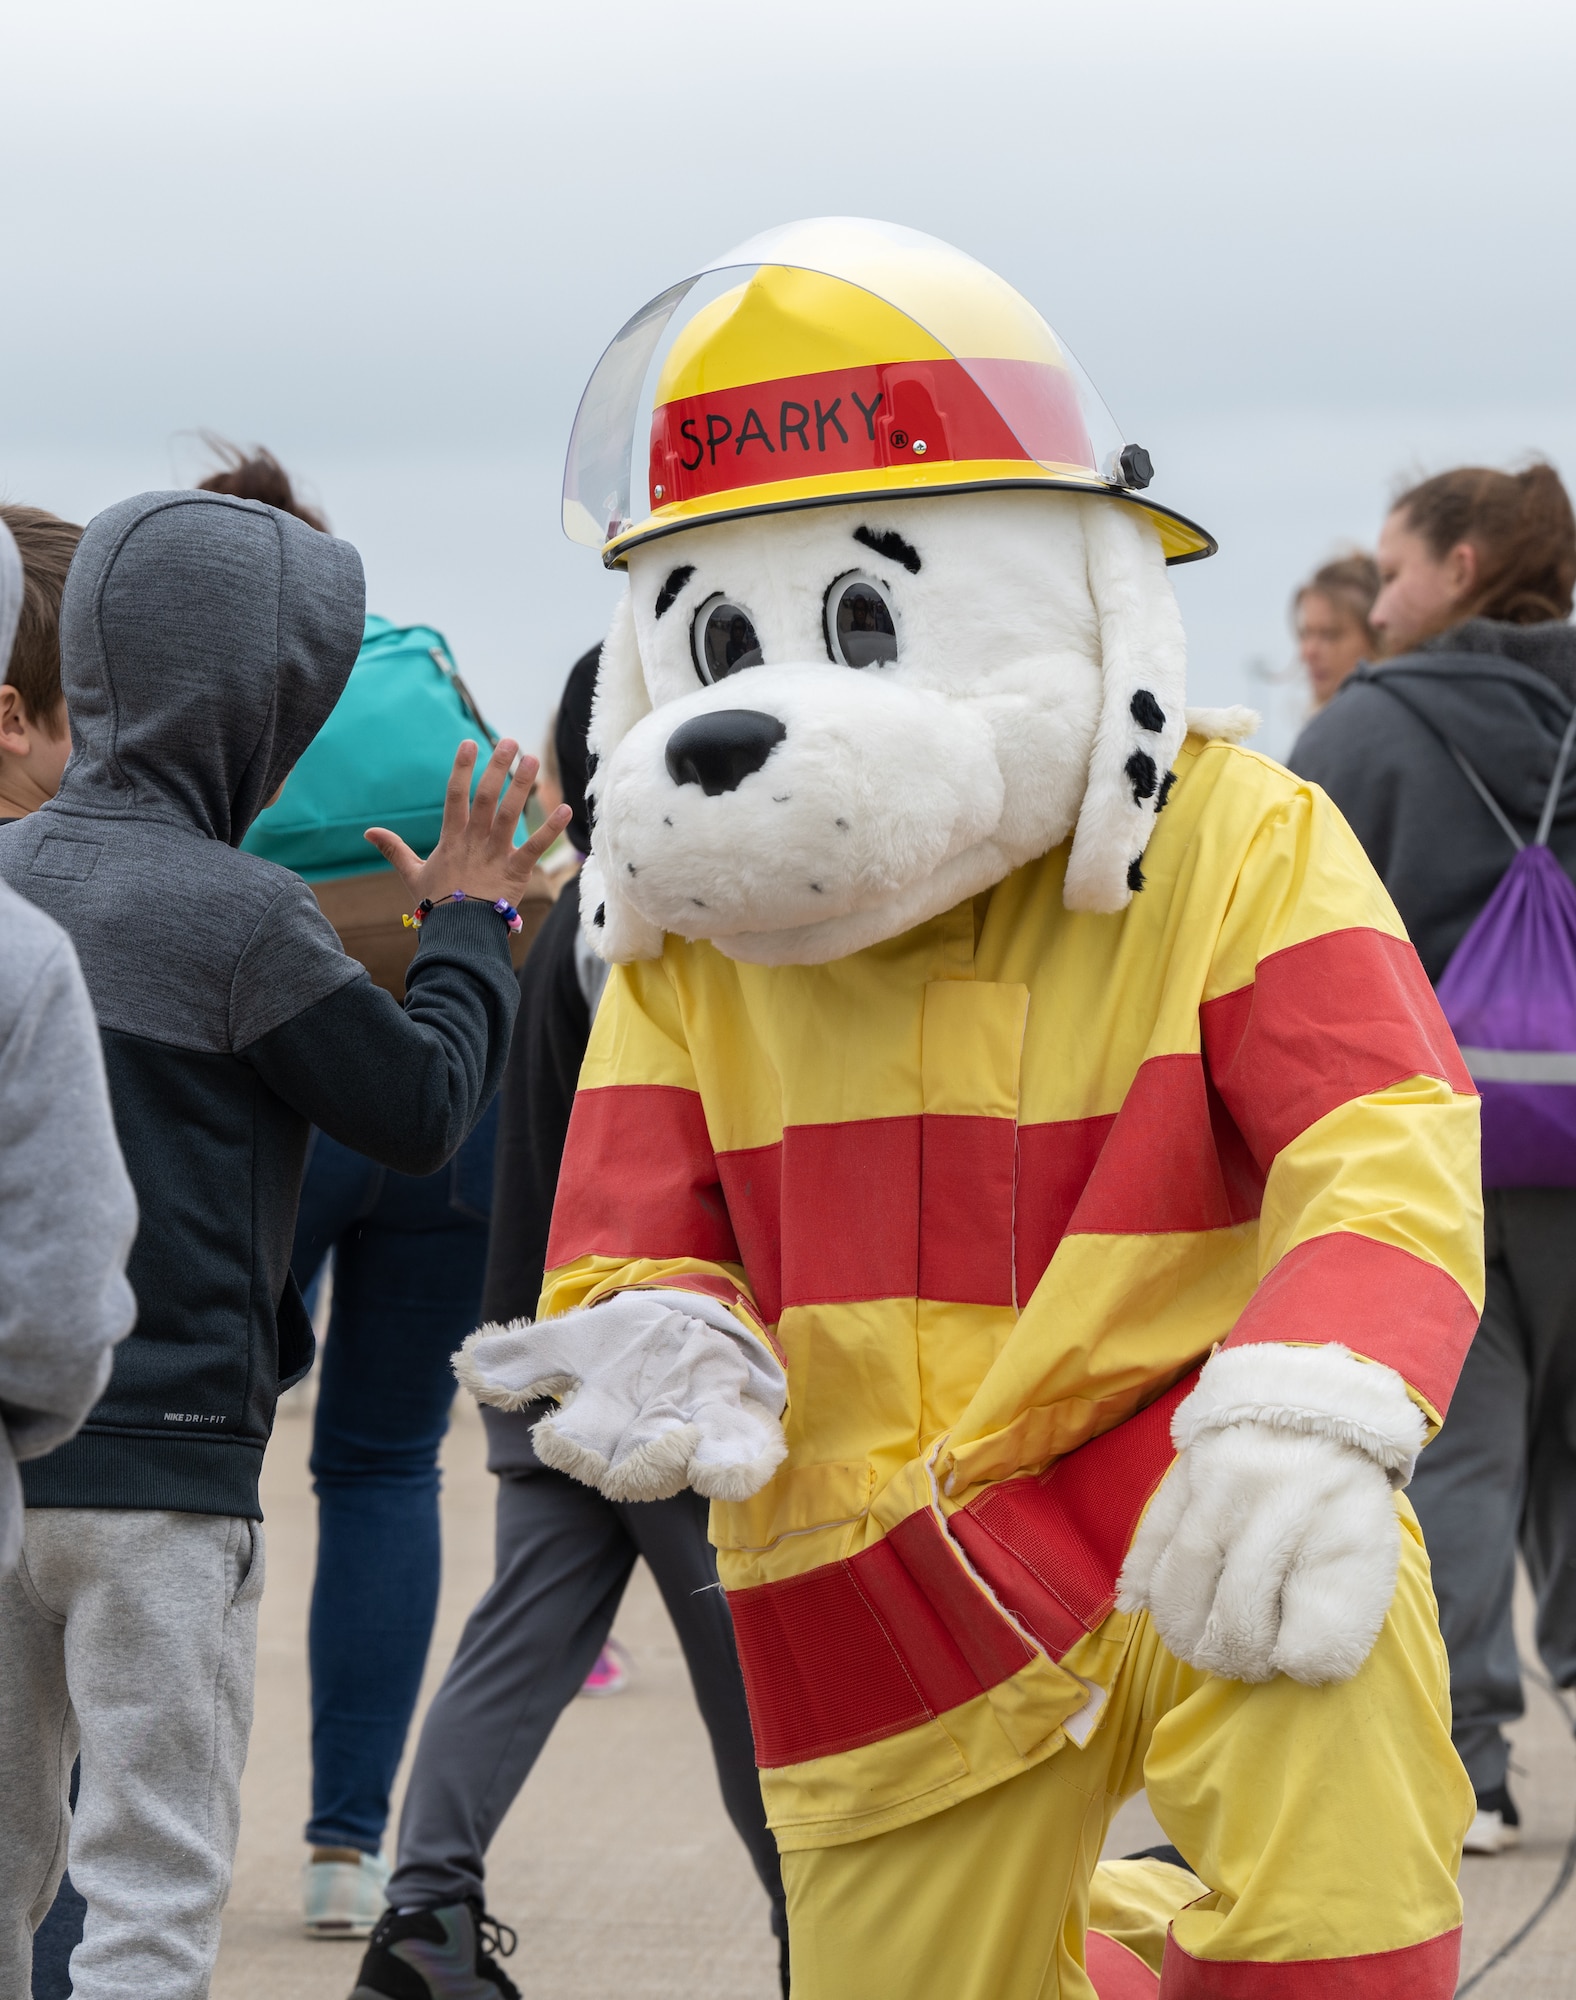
382 759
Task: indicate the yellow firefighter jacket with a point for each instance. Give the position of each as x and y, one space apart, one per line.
992 1190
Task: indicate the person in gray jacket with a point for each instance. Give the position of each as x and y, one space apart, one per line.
562 1553
1477 570
67 1212
204 641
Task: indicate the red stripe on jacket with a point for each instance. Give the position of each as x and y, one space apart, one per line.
1171 1159
1341 1016
969 1210
879 1208
752 1180
1051 1544
639 1179
1373 1297
849 1220
865 1648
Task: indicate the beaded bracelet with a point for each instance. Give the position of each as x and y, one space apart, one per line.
427 905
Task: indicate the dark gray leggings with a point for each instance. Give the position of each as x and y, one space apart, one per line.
1503 1471
564 1555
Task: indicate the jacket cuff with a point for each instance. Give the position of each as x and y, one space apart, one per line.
1319 1391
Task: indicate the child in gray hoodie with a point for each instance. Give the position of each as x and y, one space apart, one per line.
67 1213
204 641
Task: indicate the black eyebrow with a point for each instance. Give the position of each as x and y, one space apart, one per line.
890 544
677 579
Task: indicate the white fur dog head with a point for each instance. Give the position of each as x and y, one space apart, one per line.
1037 691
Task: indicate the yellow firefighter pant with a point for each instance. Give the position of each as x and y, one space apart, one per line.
1325 1822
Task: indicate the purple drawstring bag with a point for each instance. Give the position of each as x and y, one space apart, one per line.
1509 994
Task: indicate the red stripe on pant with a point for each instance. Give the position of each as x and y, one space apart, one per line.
1426 1971
1115 1972
863 1649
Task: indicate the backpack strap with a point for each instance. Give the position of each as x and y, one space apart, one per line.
1546 821
451 673
1472 777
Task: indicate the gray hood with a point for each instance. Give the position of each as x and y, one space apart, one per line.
1548 649
10 596
203 642
1502 695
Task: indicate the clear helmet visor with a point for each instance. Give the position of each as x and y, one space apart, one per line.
830 356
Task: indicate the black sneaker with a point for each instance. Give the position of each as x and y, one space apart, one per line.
1496 1825
442 1954
1170 1855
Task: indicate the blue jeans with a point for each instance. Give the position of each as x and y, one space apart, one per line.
58 1936
409 1258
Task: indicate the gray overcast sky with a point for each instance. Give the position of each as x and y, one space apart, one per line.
1302 250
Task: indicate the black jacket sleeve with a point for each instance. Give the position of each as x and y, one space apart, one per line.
550 1036
404 1085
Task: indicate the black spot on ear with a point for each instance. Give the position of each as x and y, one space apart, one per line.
1165 790
677 578
601 915
1146 711
890 544
1140 768
1135 873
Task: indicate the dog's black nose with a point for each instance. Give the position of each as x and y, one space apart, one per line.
719 751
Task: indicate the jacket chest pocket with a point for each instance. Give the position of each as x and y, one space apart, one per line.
971 1056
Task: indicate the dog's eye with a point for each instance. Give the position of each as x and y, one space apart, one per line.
859 627
723 639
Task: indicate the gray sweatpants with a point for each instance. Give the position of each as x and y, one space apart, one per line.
1503 1470
563 1557
131 1636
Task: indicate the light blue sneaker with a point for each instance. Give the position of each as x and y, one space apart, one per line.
343 1899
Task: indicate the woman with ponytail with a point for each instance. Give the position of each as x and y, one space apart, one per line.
1450 758
1475 547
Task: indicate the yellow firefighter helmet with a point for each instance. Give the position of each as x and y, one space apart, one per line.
834 361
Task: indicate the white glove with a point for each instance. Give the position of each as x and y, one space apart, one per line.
659 1391
1272 1546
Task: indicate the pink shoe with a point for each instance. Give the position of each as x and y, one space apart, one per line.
610 1675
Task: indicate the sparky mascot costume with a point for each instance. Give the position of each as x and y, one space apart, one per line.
1020 1172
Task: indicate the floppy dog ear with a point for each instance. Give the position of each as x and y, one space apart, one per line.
614 930
1142 715
621 698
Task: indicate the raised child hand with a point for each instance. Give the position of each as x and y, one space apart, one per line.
475 850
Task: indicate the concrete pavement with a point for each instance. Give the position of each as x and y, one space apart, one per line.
617 1865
